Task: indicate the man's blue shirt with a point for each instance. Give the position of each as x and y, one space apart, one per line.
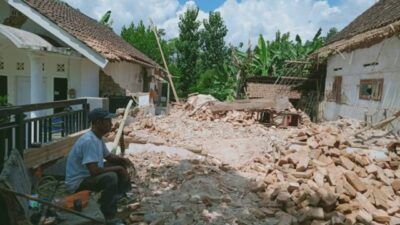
88 149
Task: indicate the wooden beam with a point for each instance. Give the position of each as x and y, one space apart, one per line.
380 124
251 105
35 157
40 106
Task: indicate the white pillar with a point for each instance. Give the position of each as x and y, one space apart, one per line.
38 91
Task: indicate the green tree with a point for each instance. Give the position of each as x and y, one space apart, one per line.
142 38
212 42
215 74
188 46
331 33
262 59
271 58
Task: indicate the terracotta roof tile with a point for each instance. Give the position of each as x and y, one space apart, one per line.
95 35
382 13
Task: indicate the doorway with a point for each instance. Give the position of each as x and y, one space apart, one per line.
60 91
3 86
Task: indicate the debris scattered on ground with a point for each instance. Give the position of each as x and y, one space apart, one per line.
253 174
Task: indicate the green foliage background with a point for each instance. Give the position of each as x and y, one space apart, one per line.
200 61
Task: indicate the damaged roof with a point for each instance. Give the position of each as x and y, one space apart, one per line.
382 13
97 36
380 21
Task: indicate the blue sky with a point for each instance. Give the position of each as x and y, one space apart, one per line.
206 5
210 5
245 19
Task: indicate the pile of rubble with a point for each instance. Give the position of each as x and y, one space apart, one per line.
179 129
327 173
199 108
324 176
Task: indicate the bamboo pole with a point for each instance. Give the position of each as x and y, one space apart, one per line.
165 63
51 205
121 127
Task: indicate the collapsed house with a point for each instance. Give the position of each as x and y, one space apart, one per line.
269 87
362 76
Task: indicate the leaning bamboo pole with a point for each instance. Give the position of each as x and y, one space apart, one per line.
165 63
120 129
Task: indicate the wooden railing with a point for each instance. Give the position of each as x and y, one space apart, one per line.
21 131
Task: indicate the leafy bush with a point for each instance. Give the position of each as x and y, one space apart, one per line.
213 82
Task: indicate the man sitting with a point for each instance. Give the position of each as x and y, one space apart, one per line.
86 169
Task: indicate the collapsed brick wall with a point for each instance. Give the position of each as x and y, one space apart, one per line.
262 90
108 87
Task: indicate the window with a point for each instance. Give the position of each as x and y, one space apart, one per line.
371 89
371 64
338 69
60 67
20 66
1 65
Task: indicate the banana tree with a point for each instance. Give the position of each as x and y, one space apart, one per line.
262 60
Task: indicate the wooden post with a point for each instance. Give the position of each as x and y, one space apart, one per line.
20 133
165 63
168 95
85 115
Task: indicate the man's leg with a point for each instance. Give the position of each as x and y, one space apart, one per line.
107 183
124 186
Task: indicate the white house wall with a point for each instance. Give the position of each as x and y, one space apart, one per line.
89 79
75 72
386 54
126 75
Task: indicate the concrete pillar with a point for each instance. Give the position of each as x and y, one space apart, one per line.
38 90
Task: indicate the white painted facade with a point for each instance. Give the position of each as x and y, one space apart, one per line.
81 65
353 69
41 66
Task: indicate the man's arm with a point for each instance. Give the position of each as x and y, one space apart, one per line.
95 170
117 160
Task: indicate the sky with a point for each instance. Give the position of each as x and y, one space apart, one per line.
245 19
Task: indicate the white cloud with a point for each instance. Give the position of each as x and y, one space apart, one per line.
245 19
171 25
125 12
249 18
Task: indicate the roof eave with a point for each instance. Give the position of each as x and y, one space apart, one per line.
363 40
63 35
